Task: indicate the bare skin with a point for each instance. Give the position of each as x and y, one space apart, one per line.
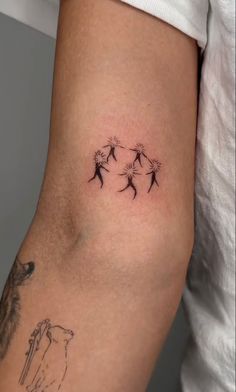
109 269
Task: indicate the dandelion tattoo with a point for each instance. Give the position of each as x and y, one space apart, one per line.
155 167
130 172
113 143
140 151
100 160
46 360
10 304
107 157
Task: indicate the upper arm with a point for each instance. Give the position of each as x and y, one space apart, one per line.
120 72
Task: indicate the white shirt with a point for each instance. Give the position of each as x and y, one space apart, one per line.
210 293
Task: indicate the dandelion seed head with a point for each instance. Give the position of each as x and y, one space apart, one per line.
155 165
99 157
113 141
139 147
130 170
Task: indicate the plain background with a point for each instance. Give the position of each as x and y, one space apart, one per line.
26 70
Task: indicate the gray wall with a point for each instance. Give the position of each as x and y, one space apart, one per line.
26 66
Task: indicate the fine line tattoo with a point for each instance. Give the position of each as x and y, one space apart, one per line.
130 172
140 152
108 152
46 360
10 304
155 167
100 160
113 142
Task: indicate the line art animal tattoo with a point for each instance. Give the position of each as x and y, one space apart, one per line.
107 155
10 304
46 361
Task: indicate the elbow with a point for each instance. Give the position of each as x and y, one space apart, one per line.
145 254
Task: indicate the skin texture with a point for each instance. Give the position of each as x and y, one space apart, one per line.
109 267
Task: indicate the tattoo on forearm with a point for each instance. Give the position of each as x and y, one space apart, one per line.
46 361
10 304
139 164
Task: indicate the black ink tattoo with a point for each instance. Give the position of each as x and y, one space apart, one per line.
155 167
112 144
10 304
140 151
104 157
47 358
130 172
100 160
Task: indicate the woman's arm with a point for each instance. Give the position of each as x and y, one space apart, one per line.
100 274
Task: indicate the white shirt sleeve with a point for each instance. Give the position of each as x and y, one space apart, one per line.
189 16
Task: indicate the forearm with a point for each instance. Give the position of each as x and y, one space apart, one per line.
119 302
